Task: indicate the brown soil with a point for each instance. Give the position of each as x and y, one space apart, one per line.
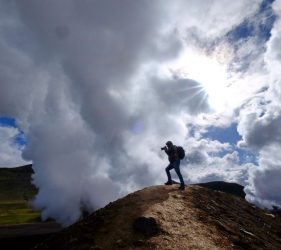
197 218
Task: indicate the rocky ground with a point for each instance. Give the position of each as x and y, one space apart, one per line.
161 217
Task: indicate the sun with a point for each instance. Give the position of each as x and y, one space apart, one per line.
211 74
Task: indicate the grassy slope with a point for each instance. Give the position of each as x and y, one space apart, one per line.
16 193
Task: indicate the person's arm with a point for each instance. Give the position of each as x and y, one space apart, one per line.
169 151
166 150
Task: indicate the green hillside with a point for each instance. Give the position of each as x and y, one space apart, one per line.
16 194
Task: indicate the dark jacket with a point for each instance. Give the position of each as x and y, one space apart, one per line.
172 153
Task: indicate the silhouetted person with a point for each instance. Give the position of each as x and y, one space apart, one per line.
171 151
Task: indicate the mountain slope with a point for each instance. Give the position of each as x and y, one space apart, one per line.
231 188
161 217
16 193
15 183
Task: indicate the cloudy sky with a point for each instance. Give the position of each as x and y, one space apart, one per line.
90 90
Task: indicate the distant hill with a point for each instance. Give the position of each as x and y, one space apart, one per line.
15 183
20 225
16 195
161 217
231 188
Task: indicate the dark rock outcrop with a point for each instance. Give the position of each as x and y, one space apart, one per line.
226 187
147 226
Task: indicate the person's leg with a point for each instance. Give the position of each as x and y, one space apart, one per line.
177 169
170 166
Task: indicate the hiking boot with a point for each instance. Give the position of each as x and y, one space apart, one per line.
181 188
168 183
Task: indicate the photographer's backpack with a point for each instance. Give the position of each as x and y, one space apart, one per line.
181 152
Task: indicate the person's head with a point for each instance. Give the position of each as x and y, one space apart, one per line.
169 144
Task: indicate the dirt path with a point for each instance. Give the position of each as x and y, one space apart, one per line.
182 228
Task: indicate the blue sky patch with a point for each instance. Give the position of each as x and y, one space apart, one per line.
7 122
247 156
259 25
256 28
224 135
231 136
20 138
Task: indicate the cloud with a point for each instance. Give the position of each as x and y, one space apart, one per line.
89 83
212 18
181 95
10 151
259 124
264 182
260 127
210 160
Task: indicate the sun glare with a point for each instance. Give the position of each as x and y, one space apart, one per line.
210 73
